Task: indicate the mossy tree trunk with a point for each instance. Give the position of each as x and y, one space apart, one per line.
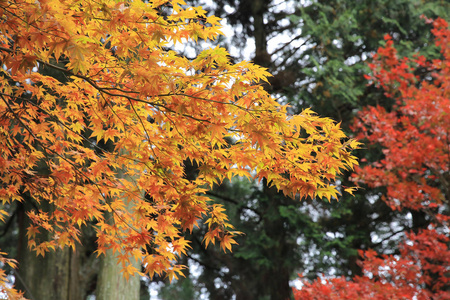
111 284
54 276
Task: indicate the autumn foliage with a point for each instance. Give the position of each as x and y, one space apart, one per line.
415 137
128 115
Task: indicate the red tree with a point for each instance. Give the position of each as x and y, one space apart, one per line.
415 137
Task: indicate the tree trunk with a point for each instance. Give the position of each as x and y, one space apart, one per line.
54 276
259 8
111 284
276 277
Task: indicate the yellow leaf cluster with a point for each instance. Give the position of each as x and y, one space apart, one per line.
96 111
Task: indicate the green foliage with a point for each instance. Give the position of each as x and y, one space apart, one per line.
341 36
181 289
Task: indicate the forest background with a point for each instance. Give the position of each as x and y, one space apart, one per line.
319 54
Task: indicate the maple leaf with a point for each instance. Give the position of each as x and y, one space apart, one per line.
327 192
226 243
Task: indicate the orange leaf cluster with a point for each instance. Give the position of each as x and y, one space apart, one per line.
125 113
